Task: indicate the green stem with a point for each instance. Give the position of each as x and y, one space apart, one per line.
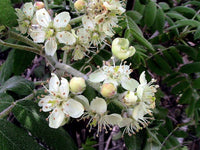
6 111
21 47
24 39
46 4
76 20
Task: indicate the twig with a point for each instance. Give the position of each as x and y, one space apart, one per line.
6 111
101 140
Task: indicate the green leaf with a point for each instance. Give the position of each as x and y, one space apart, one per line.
90 93
162 63
18 85
180 87
27 113
186 11
160 20
197 34
5 101
22 59
190 51
174 53
186 96
175 15
185 22
132 25
175 80
133 142
14 138
142 40
191 68
139 7
171 23
155 68
169 59
7 68
190 109
164 5
134 15
150 145
150 13
8 16
16 63
196 83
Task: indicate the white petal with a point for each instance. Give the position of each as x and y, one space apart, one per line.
37 35
139 111
64 88
97 76
88 23
61 20
28 10
83 100
66 38
73 108
140 91
83 35
129 84
142 78
43 18
78 53
50 46
98 105
125 122
54 83
56 118
113 119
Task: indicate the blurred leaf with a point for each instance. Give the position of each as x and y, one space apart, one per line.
142 40
14 138
132 25
18 85
27 113
139 7
197 34
186 11
150 145
5 101
186 96
162 63
8 16
180 87
196 83
160 20
134 15
175 15
164 5
133 142
190 68
150 13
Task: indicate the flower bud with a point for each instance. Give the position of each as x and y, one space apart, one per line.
130 98
79 5
77 85
108 90
39 5
121 49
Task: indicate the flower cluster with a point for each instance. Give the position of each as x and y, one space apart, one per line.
100 16
60 101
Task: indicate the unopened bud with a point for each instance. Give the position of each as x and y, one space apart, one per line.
108 90
39 5
98 105
130 98
79 5
77 85
121 49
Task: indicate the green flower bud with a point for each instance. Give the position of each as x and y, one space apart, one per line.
77 85
79 5
121 49
108 90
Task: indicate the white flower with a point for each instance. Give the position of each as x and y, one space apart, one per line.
146 91
25 15
115 75
59 101
52 30
81 45
130 98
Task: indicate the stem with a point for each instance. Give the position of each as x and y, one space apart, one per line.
6 111
15 46
65 57
46 4
24 39
76 20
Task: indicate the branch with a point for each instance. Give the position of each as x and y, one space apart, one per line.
6 111
24 39
21 47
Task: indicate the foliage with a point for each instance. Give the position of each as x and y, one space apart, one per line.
166 38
